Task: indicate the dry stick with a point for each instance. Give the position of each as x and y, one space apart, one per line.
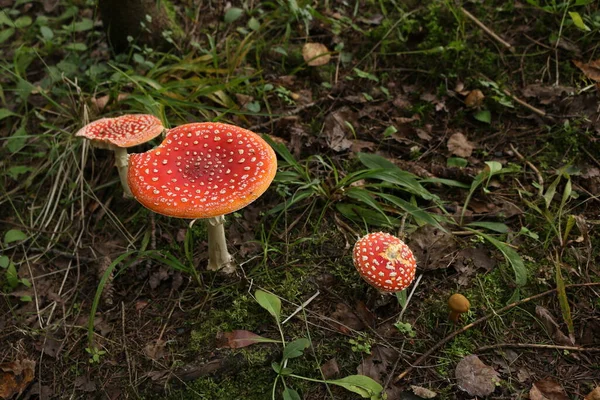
488 30
479 321
523 103
538 346
539 112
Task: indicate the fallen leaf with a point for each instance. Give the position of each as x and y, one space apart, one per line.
366 315
84 384
330 369
552 327
547 389
475 377
336 128
238 339
474 99
591 69
376 364
315 54
347 319
546 94
459 145
155 350
423 392
15 377
523 375
593 395
373 20
432 247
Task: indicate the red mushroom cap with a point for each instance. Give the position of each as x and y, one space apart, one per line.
125 131
384 261
202 170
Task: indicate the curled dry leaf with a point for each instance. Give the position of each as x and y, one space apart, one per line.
15 377
547 389
552 327
422 392
330 369
593 395
474 99
347 319
475 377
376 364
459 145
315 54
238 339
591 69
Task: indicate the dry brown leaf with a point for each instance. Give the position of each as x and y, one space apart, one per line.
336 128
315 54
459 145
591 69
330 369
475 377
593 395
423 392
85 384
474 99
432 247
546 94
547 389
552 327
376 364
238 339
347 319
155 350
15 377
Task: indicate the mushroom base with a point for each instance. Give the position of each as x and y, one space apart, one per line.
219 258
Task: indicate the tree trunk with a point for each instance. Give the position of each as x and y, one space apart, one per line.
145 21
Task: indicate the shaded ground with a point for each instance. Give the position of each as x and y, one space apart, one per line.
421 86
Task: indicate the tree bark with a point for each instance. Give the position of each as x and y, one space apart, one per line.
145 21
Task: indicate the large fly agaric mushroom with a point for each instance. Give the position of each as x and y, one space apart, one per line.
204 170
384 261
119 133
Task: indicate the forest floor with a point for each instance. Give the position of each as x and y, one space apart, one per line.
470 131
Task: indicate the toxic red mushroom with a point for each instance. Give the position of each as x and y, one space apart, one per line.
204 170
119 133
384 261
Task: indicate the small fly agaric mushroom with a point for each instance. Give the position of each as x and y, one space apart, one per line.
384 261
458 305
204 170
119 133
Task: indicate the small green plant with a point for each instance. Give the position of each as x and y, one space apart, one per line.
405 328
95 354
363 385
362 344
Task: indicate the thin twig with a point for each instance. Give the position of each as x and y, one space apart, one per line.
479 321
539 112
538 346
488 30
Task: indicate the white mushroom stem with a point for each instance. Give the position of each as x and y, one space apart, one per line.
219 258
121 163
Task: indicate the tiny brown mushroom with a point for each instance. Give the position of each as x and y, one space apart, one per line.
458 305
